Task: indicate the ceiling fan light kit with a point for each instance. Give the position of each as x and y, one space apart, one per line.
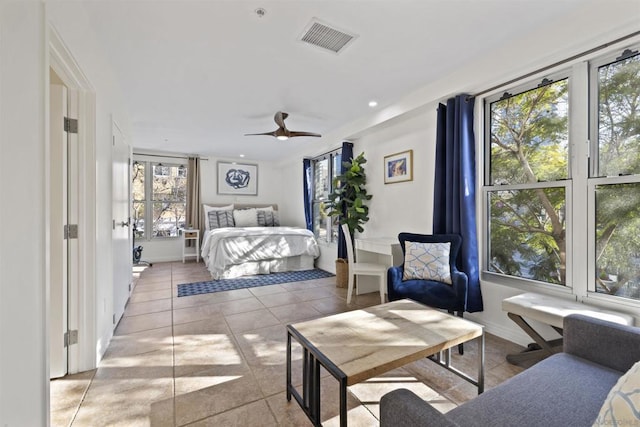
282 133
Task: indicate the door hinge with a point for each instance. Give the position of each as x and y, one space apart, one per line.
70 338
70 231
114 318
70 125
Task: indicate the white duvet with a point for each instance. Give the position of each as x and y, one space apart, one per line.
223 248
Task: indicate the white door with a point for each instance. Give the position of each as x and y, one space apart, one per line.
57 221
122 247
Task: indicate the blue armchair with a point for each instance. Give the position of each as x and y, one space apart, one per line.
452 298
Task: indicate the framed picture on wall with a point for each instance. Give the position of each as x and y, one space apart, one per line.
398 167
237 179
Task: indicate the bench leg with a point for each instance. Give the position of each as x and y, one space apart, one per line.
540 350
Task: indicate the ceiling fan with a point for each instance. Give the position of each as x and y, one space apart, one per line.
282 133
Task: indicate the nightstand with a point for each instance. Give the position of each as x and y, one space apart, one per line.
190 235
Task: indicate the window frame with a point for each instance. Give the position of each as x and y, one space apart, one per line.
580 184
148 201
329 222
488 188
595 178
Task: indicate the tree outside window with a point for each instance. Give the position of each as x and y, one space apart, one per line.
616 169
528 178
527 197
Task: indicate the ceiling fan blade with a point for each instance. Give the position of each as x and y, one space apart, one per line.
279 119
274 133
296 133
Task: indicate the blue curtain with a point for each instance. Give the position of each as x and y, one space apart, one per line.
454 204
347 156
306 182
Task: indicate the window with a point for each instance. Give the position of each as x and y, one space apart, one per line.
531 186
528 138
325 169
615 86
159 199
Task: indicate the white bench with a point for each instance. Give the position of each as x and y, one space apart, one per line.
550 311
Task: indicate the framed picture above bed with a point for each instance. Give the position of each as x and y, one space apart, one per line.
237 179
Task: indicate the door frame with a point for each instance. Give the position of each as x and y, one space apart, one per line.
82 304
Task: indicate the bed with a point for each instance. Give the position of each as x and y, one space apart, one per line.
241 240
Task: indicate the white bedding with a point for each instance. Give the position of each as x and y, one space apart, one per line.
224 249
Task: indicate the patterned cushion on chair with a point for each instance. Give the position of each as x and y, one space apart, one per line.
427 261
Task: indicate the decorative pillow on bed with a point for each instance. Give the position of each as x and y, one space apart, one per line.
621 407
427 261
208 209
245 217
219 219
268 218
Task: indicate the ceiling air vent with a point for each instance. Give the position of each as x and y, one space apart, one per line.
326 37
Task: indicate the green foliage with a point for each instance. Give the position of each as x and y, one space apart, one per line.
529 145
350 191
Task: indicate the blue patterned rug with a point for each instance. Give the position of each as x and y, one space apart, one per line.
188 289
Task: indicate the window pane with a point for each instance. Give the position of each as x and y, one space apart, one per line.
319 221
138 218
168 218
137 181
527 234
529 136
321 179
337 165
169 186
619 117
618 240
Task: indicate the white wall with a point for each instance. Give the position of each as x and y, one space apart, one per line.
75 29
24 391
411 124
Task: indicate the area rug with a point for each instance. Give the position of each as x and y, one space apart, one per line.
197 288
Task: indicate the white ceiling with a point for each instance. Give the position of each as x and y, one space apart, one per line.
198 75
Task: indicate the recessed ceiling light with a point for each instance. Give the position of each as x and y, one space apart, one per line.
241 155
373 104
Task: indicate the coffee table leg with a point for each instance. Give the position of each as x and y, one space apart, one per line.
315 390
481 363
288 367
343 402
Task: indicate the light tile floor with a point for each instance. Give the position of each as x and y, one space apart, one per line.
219 360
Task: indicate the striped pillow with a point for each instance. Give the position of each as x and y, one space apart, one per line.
219 219
268 218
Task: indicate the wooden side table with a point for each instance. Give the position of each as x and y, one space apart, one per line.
190 235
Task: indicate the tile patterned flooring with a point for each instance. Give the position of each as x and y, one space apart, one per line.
219 360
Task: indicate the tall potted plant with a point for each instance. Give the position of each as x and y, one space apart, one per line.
349 195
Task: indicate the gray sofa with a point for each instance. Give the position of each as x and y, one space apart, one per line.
566 389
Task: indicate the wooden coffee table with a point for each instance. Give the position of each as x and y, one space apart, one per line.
357 345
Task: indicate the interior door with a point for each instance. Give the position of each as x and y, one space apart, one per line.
58 291
122 247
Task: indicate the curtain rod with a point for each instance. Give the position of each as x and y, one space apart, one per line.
167 156
556 64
